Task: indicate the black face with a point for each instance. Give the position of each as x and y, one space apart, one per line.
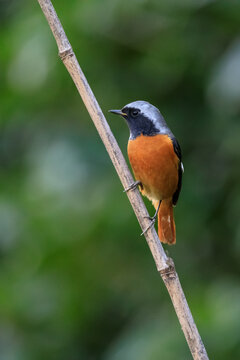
138 123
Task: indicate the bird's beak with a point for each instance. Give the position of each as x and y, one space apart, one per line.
118 112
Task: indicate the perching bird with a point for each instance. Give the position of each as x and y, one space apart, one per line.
156 160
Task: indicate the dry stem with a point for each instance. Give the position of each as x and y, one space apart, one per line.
164 264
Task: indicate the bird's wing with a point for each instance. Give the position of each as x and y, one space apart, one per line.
178 152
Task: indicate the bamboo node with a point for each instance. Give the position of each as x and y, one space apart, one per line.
170 271
66 53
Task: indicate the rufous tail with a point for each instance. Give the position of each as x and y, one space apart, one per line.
166 224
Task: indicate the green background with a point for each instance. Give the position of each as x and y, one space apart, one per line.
76 279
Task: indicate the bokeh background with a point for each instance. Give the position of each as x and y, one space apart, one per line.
76 279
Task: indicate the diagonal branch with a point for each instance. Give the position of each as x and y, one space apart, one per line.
164 264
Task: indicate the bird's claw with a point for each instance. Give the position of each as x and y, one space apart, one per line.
133 186
153 219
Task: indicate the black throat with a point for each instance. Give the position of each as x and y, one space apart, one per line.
142 125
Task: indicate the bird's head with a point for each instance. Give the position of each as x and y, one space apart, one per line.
143 119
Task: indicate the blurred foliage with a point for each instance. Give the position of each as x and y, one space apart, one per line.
76 279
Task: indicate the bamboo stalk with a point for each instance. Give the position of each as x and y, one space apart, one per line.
164 265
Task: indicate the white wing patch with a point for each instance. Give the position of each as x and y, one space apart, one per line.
182 167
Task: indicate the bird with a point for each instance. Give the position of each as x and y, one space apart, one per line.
156 160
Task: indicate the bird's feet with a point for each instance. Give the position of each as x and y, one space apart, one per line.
133 186
152 218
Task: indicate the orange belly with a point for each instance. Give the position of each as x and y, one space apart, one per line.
155 164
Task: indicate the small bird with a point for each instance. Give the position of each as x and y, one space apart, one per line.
155 156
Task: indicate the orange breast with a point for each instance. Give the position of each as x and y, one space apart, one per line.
155 164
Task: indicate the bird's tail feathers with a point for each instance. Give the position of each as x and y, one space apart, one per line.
166 224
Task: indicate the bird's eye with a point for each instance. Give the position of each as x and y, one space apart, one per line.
134 112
